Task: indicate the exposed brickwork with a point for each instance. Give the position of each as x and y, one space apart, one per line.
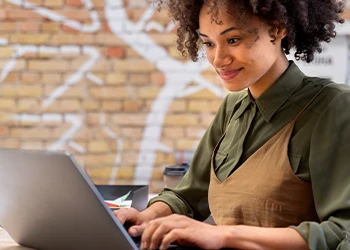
74 76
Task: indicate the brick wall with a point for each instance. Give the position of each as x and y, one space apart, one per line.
102 80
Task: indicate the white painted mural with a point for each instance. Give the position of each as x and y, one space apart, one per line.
181 78
178 76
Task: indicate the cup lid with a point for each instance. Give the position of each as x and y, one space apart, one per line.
176 169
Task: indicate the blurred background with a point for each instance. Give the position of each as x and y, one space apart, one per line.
103 80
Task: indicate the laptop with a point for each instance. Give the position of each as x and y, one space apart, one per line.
48 202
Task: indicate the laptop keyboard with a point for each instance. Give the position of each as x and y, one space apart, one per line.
137 241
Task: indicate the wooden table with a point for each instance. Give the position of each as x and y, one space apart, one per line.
7 243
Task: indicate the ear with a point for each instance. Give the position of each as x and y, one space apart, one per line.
277 34
281 32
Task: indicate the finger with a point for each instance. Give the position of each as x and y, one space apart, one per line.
159 233
121 216
128 215
172 221
135 231
148 232
164 228
172 236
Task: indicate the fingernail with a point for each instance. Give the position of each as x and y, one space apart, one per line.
133 231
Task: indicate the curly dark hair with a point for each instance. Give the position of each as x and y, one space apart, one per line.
307 22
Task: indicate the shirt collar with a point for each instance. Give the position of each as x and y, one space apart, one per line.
243 103
279 92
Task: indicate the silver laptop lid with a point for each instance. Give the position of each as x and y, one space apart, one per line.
48 202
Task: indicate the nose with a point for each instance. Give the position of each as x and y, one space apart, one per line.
222 57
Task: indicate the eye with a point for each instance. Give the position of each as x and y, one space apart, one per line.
232 40
208 44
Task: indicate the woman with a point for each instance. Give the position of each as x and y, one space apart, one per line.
272 168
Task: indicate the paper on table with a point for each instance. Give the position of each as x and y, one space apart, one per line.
120 202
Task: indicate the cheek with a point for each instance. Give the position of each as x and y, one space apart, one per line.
255 68
259 67
210 56
261 57
269 52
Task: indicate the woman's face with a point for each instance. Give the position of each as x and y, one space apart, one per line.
242 54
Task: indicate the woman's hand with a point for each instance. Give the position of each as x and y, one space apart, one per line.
138 219
160 233
133 217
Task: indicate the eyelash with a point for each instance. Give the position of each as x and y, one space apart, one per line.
230 41
208 44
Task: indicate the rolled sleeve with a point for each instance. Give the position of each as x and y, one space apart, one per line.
330 177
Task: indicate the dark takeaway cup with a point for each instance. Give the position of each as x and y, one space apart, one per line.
173 174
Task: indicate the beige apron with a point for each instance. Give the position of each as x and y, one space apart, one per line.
263 191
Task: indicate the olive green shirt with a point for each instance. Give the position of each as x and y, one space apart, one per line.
319 151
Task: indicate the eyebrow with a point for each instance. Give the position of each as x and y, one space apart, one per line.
222 33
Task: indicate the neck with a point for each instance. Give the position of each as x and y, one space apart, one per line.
271 76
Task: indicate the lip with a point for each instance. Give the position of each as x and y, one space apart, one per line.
228 75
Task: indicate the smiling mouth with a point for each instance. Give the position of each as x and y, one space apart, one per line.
228 75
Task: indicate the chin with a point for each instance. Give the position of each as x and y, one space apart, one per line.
238 83
234 88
